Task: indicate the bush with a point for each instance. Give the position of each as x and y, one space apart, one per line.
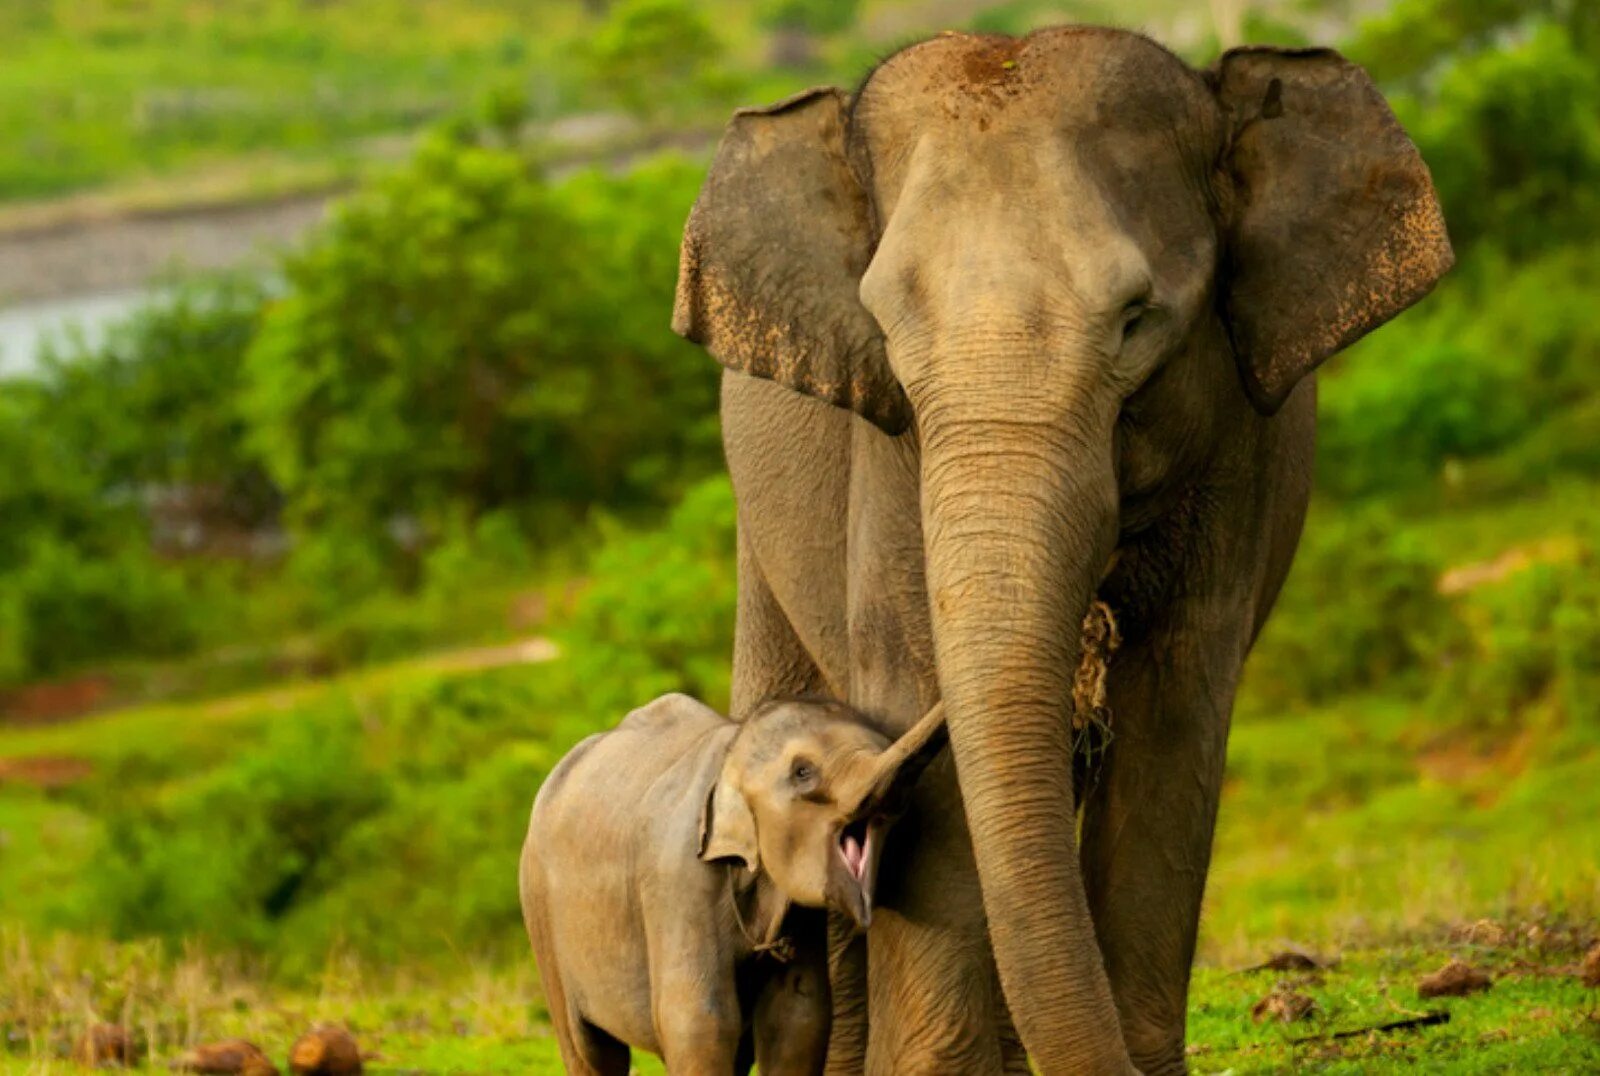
657 614
1490 360
1361 608
1534 635
88 447
1503 99
156 405
228 858
655 58
465 339
68 608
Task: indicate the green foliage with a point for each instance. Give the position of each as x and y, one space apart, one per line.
1360 609
1535 636
1413 37
657 614
820 17
100 90
102 434
1503 99
466 339
229 857
67 606
655 57
1496 357
157 404
314 828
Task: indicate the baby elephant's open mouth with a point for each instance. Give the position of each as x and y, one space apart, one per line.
855 842
851 888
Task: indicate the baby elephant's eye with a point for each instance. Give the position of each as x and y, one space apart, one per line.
803 774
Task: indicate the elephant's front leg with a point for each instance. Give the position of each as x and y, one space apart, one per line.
1147 829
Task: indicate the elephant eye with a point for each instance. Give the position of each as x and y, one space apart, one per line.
1133 316
803 774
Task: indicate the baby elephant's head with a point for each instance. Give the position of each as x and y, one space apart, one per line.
806 795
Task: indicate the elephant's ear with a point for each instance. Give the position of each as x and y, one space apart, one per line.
1333 226
727 828
772 259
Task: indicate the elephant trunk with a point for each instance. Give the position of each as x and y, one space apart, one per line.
1019 519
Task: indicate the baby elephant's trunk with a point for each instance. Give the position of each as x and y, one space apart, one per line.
898 768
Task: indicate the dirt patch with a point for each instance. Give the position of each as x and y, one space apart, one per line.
43 704
1455 980
45 771
101 256
1284 1006
990 64
1589 970
1489 766
532 651
1469 577
1291 960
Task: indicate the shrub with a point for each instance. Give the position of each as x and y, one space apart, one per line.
655 57
657 614
67 607
1535 634
156 404
1360 609
465 339
230 856
1492 359
88 446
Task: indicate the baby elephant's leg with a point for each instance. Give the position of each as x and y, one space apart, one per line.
793 1013
588 1051
698 1021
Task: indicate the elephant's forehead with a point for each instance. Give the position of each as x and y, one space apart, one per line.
1065 77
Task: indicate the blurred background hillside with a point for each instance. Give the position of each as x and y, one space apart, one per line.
349 473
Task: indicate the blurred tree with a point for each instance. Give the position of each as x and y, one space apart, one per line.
796 25
465 338
1503 99
654 57
1409 40
155 407
89 449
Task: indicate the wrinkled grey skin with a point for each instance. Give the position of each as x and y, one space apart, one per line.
661 863
1072 291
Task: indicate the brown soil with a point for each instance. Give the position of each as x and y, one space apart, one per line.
234 1057
42 704
1589 970
325 1051
44 771
1454 980
1283 1005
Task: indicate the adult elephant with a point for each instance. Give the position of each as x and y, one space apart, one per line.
1071 290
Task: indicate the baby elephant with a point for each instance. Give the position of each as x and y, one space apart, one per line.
661 864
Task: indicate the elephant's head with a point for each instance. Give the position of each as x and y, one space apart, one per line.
1067 264
807 792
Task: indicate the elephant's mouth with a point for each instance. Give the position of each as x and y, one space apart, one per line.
855 841
857 851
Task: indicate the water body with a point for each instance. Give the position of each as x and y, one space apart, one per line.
25 329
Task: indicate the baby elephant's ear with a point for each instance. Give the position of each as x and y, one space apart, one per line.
727 828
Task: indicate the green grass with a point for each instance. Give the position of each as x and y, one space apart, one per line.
1536 1017
98 91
